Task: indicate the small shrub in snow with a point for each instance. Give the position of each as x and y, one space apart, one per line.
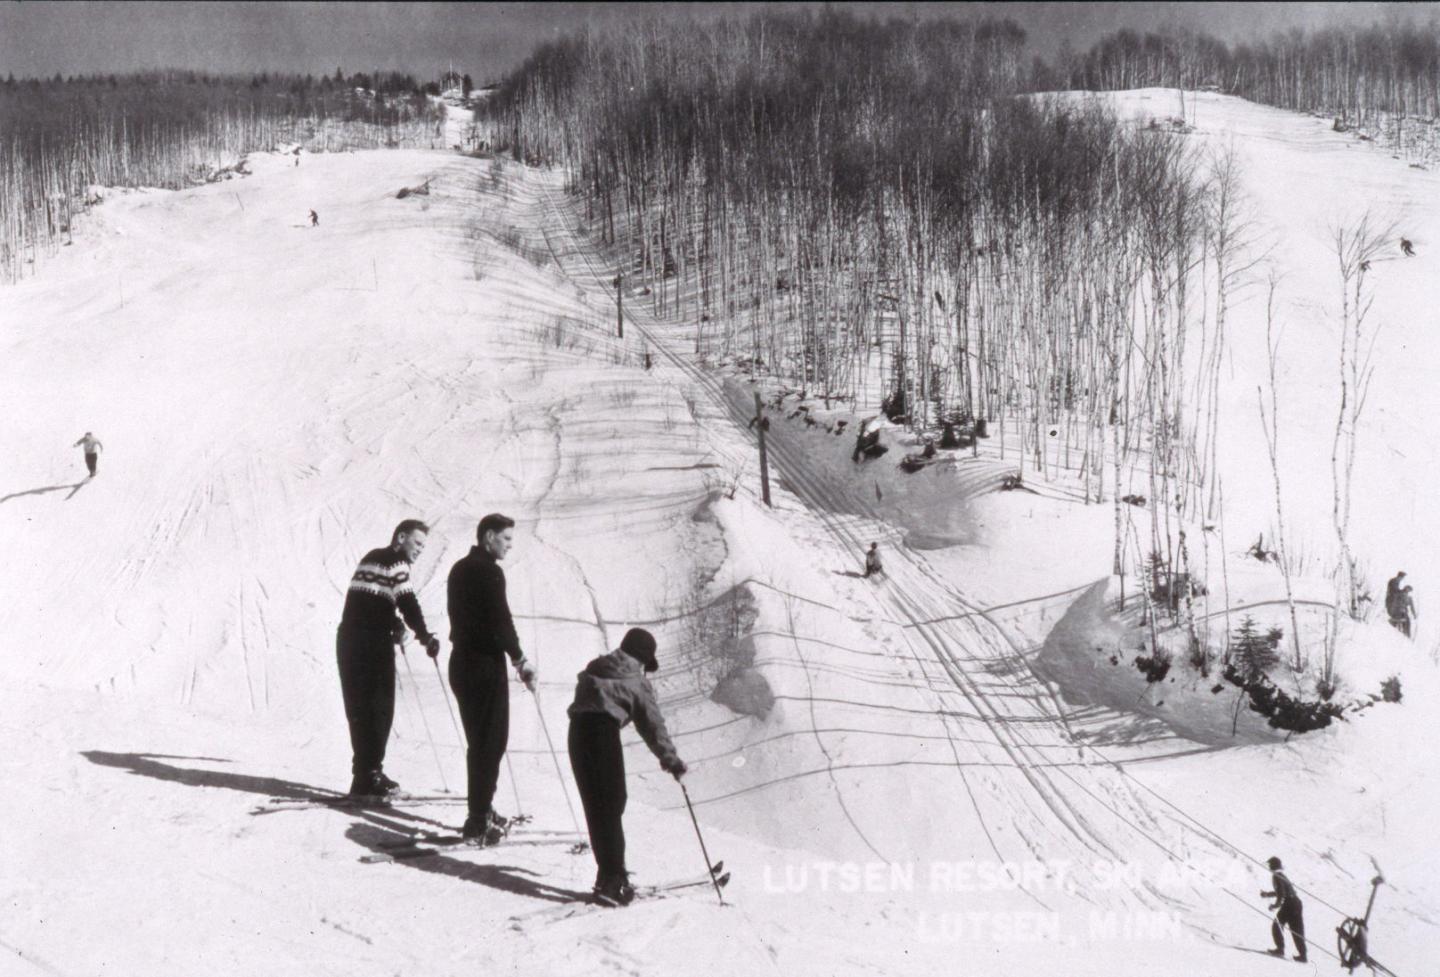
1155 667
1390 689
1283 711
1198 659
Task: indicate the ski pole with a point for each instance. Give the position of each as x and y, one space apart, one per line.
558 775
449 706
415 691
460 736
693 820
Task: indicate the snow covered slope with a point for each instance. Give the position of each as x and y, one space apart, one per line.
274 397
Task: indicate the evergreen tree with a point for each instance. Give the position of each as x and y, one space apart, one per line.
1253 654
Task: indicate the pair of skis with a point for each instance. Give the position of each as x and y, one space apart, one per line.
344 801
432 844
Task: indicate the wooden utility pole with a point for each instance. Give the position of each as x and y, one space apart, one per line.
619 308
761 423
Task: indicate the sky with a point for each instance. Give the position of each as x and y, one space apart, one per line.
487 39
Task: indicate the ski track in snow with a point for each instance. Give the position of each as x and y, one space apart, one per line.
951 644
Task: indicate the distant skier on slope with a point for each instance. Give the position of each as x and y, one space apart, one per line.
1403 619
93 447
872 561
1407 248
365 651
482 635
1288 909
611 692
314 217
1399 604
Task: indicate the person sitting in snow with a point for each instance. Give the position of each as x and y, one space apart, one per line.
611 692
872 561
1288 909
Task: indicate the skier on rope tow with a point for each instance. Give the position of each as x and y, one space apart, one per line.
1289 911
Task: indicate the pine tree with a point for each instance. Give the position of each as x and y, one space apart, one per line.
1253 654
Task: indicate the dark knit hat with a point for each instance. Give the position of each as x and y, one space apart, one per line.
639 644
1272 862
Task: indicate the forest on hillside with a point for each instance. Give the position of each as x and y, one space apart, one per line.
889 216
61 138
873 212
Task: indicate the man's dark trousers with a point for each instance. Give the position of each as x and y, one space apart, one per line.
1292 916
367 681
482 693
598 763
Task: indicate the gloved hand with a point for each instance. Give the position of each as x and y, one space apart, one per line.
432 646
528 675
674 766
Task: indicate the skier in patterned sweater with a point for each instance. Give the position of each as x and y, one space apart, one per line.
365 650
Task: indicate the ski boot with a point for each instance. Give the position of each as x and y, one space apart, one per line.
614 890
482 831
367 786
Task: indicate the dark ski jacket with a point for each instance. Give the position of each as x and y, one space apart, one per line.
615 685
480 621
1286 900
379 588
1393 604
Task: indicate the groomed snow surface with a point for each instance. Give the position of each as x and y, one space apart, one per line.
892 786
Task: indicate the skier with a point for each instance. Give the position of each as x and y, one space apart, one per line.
482 635
611 692
1407 248
314 217
872 561
1405 603
365 651
1399 605
1288 909
93 447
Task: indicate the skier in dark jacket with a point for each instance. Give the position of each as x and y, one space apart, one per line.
1399 604
611 692
365 650
482 634
1288 909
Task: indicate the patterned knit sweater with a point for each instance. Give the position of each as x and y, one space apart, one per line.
380 587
